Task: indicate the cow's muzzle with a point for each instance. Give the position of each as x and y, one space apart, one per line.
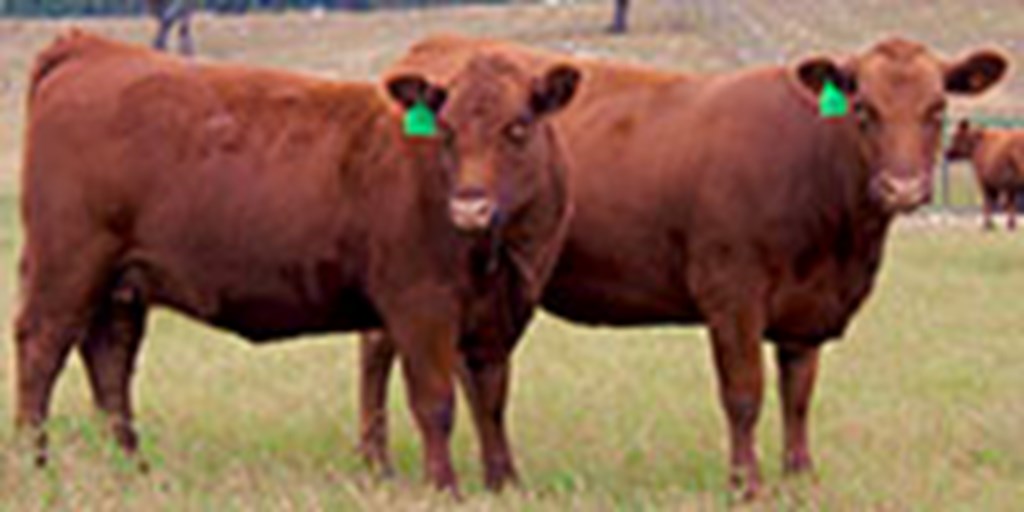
900 194
472 210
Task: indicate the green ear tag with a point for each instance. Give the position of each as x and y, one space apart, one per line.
832 102
419 121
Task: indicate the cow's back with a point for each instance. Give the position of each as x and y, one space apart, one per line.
440 56
999 158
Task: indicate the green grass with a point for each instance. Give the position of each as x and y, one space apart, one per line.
918 408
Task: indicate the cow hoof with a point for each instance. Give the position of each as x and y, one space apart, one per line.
445 482
746 494
798 465
498 480
745 487
451 491
378 464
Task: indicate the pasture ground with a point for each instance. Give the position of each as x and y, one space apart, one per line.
920 407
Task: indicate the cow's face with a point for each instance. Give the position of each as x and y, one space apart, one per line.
497 145
898 91
965 140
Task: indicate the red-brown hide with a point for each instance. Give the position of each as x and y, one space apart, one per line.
273 205
998 159
726 200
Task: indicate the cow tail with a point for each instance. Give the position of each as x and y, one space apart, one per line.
63 48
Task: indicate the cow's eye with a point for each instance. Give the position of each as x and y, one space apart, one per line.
867 115
517 131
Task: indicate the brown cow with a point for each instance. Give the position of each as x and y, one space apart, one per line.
169 13
726 200
998 159
273 205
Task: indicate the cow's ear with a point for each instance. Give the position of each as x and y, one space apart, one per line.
408 90
814 72
976 72
554 90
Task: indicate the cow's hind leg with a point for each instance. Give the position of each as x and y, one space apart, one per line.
485 379
109 353
425 329
798 369
989 202
59 291
376 359
42 346
164 28
186 46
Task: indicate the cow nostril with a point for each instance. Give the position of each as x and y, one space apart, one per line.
472 213
904 192
469 194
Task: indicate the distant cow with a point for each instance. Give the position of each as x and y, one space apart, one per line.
171 13
273 205
998 158
727 200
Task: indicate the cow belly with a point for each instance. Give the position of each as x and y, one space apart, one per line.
260 319
814 311
258 302
600 301
600 284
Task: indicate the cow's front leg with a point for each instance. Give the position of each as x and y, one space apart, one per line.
485 376
736 331
798 370
376 358
425 333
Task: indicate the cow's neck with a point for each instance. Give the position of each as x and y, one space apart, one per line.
858 221
533 245
534 238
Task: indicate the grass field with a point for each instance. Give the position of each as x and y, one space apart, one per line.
920 407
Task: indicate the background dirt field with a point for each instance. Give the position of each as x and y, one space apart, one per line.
920 407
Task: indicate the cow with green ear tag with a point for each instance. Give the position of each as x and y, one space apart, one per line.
274 205
491 126
504 170
897 96
756 202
